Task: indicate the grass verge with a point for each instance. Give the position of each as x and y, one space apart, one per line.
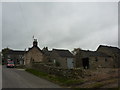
56 79
100 84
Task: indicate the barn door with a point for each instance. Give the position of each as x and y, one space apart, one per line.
70 63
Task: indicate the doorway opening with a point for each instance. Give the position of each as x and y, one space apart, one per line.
85 62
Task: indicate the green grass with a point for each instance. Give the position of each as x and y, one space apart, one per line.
56 79
65 82
36 72
73 82
97 85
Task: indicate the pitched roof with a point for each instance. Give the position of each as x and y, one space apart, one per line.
63 53
94 54
111 48
18 52
15 52
47 53
33 47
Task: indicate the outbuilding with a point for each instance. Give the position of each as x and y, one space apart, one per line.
62 58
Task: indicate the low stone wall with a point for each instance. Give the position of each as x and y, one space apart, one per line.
68 73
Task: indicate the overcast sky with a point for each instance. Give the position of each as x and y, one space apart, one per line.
60 25
0 26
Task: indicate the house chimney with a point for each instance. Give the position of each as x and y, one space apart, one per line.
47 48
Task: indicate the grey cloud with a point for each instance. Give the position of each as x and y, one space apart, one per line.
0 26
59 25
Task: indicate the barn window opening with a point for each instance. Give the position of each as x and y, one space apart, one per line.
33 60
96 59
49 60
105 60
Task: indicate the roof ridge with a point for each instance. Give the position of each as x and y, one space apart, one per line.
109 46
61 49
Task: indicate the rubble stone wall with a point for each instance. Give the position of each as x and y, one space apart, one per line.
68 73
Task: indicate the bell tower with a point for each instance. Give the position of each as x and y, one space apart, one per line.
35 43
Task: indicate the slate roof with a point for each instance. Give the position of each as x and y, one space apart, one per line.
113 49
15 52
94 54
63 53
33 47
47 53
19 52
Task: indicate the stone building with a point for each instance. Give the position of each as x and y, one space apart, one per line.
46 53
114 52
34 54
15 55
62 58
93 59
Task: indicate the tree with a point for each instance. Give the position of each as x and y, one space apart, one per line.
74 52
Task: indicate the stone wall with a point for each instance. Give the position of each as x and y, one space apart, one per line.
114 53
105 50
34 55
68 73
57 58
101 62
